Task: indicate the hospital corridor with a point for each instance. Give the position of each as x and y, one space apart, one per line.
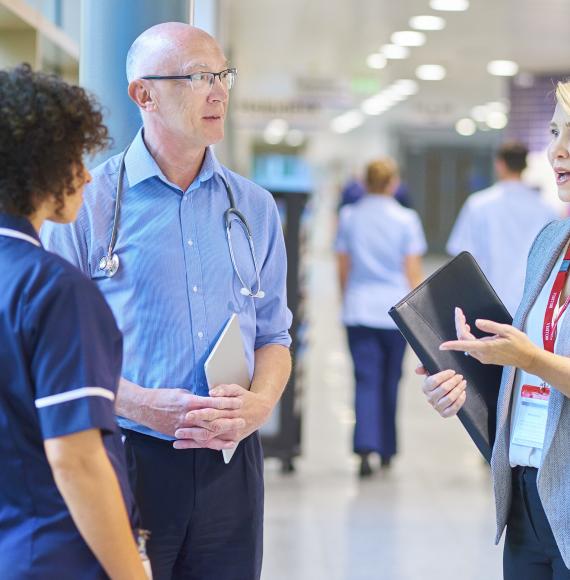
430 516
229 231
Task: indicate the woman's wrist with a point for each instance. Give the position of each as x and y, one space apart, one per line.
534 361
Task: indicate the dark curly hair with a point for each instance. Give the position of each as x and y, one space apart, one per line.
46 126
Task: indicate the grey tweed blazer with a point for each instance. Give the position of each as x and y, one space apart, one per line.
554 474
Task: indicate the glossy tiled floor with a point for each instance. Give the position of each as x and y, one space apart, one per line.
430 517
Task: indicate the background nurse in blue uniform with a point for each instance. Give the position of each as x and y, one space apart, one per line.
65 508
379 247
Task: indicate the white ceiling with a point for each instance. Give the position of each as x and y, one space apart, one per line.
280 47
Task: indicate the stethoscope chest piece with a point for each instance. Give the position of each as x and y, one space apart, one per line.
109 265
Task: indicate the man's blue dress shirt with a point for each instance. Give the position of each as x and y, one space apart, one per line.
175 288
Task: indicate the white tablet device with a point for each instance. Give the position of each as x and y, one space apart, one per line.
227 363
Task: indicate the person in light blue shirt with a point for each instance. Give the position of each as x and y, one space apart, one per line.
498 225
173 292
379 246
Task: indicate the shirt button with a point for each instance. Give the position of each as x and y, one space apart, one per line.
195 289
200 334
190 243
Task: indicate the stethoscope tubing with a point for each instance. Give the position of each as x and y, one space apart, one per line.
110 262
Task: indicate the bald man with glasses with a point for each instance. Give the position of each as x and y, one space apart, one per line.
172 295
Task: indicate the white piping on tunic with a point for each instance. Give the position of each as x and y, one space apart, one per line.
73 395
9 233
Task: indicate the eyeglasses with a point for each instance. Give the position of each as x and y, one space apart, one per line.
201 81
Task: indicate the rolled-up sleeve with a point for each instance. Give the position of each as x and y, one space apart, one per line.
76 356
273 317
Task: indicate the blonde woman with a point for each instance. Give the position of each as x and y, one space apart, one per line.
531 455
379 247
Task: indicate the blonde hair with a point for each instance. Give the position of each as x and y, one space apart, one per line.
380 173
563 95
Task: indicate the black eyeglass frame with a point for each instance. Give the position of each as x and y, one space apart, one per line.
189 77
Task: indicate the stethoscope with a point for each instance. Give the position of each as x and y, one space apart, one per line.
109 264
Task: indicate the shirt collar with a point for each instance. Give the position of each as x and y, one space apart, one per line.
19 224
380 198
513 185
140 165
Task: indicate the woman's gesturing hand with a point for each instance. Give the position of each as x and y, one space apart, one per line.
506 345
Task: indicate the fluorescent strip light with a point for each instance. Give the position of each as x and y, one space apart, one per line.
347 121
408 38
465 127
426 22
376 60
449 5
430 72
393 51
503 68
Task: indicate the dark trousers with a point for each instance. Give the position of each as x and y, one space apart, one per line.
205 517
531 552
377 354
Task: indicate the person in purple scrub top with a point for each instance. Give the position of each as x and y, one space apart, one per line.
66 510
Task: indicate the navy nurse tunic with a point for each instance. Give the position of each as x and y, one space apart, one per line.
60 361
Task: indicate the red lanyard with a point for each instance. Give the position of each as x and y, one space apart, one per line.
550 326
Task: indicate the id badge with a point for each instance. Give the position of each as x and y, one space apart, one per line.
532 414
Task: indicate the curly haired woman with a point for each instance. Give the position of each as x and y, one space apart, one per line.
66 511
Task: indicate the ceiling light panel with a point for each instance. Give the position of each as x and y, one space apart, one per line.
430 72
503 68
497 120
347 121
407 86
376 60
427 22
408 38
479 113
295 138
465 127
449 5
393 51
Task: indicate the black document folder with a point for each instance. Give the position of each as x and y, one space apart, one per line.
426 318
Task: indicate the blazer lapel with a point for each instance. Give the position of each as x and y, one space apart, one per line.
556 397
539 268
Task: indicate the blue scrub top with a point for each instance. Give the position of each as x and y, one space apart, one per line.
60 361
378 234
